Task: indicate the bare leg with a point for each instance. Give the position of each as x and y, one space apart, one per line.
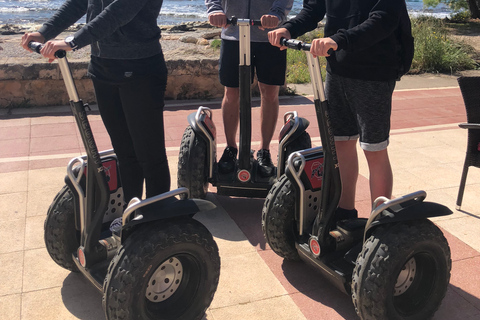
230 114
348 163
381 176
269 112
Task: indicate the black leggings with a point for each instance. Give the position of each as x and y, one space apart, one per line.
133 115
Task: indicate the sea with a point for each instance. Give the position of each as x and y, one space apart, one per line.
174 12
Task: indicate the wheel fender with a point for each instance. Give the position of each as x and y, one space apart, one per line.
193 123
302 126
421 210
170 208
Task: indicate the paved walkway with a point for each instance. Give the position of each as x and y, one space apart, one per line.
427 152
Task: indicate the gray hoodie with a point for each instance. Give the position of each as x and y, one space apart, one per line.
249 9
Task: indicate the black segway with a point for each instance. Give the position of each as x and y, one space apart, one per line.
151 260
396 264
197 163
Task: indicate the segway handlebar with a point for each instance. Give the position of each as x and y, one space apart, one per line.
295 44
234 21
37 46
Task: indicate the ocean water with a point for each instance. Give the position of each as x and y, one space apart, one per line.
173 11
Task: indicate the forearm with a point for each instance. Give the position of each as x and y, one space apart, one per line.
312 12
69 13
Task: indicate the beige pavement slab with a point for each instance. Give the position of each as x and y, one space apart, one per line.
13 206
10 306
11 268
13 182
278 308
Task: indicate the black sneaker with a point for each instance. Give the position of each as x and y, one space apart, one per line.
265 165
226 164
344 214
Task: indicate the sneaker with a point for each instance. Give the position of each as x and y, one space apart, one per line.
265 165
344 214
226 164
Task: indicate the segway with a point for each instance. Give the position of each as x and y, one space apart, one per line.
151 260
197 163
395 264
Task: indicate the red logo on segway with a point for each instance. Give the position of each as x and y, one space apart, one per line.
314 171
243 175
314 247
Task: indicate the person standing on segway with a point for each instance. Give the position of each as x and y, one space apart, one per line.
269 63
368 45
129 76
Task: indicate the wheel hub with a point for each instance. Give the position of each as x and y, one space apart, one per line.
165 280
406 277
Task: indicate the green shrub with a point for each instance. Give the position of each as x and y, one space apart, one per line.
215 44
297 68
435 51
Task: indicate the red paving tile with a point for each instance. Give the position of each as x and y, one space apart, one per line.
54 145
53 129
14 147
15 132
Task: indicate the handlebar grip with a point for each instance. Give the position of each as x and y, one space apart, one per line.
37 46
295 44
256 22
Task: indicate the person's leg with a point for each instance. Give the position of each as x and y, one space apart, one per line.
381 176
143 102
373 103
230 115
269 112
110 107
348 165
270 67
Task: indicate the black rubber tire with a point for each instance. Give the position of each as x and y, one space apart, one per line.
278 219
149 247
60 235
419 250
301 143
192 164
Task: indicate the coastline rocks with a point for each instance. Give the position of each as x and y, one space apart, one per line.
188 39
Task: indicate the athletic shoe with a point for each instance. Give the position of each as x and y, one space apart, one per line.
265 165
226 164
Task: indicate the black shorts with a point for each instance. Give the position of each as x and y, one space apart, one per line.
360 108
267 61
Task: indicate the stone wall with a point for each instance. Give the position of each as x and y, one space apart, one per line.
40 83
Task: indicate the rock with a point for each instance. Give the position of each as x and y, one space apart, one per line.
181 28
188 39
212 35
203 42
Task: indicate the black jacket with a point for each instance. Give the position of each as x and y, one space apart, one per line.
373 36
115 29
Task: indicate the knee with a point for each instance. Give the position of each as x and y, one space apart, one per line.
268 92
376 157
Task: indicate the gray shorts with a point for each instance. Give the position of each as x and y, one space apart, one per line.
360 108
